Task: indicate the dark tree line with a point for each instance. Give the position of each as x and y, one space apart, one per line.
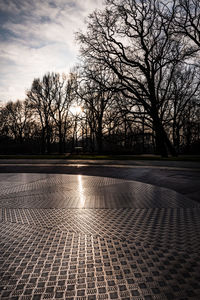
138 85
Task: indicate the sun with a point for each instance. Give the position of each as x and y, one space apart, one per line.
76 110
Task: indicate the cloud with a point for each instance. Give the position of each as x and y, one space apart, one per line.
38 36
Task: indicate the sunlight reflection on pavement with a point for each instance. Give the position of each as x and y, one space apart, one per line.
131 241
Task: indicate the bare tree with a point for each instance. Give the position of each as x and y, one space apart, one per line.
15 117
63 93
97 100
40 98
184 92
132 39
51 98
187 19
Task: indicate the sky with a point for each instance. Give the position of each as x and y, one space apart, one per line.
36 37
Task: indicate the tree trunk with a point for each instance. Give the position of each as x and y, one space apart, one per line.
60 139
160 141
92 146
99 138
43 142
188 138
99 142
48 143
169 144
163 144
60 145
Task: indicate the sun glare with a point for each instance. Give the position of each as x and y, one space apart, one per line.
76 110
81 191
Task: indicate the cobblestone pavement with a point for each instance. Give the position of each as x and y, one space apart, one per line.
87 237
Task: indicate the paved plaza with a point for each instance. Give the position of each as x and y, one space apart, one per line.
99 231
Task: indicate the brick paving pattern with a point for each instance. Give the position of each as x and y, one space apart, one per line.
85 237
